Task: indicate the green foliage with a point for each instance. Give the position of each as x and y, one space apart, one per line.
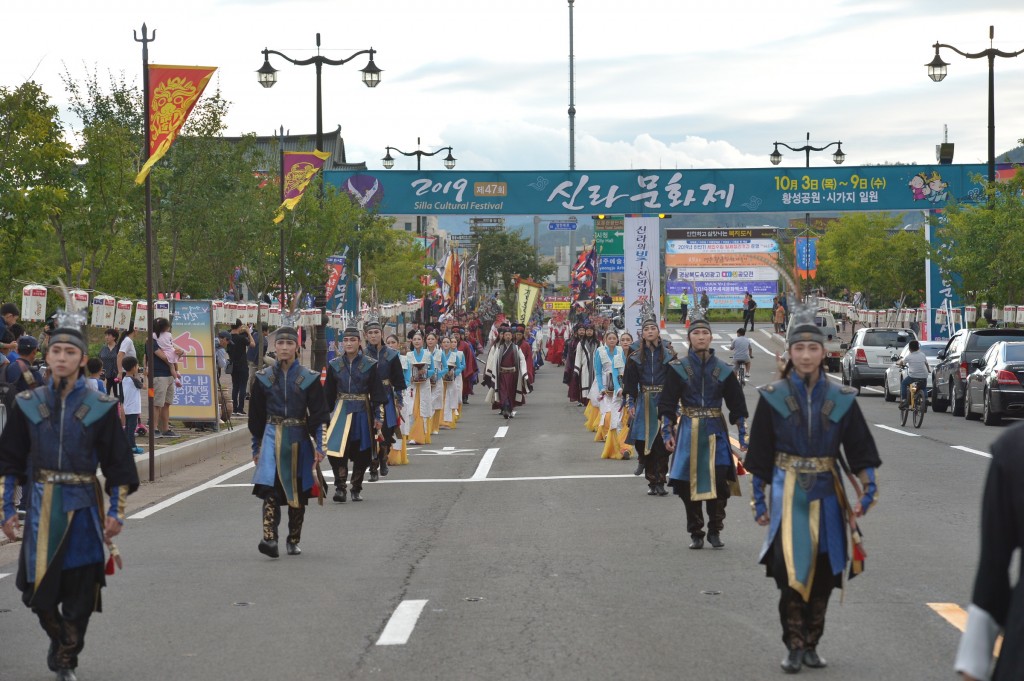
503 255
870 252
35 169
983 244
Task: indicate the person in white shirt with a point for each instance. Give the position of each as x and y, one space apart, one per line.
918 370
131 399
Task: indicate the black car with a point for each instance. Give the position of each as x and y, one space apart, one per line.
949 377
995 386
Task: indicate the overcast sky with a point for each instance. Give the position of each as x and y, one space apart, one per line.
660 83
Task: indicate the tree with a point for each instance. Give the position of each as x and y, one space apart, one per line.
870 252
35 168
982 244
503 255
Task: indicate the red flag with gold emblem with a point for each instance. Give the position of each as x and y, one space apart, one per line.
299 169
173 93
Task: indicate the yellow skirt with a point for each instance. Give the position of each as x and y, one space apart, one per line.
420 429
435 422
612 446
593 415
399 455
627 450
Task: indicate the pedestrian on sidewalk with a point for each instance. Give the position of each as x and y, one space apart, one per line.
779 318
799 426
749 307
108 355
240 342
131 400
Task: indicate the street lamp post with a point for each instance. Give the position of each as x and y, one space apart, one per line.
937 71
838 157
389 163
267 76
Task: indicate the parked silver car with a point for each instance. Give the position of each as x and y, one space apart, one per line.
870 353
894 374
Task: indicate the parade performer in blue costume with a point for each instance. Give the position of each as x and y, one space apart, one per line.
353 390
287 415
703 468
392 382
646 371
799 426
57 435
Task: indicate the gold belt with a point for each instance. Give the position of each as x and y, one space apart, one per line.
651 388
386 381
282 421
65 477
804 464
353 396
701 412
508 370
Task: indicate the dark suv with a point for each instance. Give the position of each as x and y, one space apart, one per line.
949 377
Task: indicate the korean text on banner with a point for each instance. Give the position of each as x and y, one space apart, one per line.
527 293
173 93
642 249
196 399
299 169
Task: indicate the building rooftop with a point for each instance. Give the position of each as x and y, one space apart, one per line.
334 144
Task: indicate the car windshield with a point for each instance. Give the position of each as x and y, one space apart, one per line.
1014 353
883 338
823 321
932 350
979 342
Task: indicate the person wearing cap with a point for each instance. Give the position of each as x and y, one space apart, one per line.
287 417
800 424
354 393
9 314
392 382
644 378
703 467
20 372
506 376
60 433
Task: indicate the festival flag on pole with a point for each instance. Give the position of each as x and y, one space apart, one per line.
584 275
173 93
299 169
527 292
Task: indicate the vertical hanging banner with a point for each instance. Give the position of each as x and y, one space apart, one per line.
336 295
641 245
527 293
173 93
299 169
195 399
806 256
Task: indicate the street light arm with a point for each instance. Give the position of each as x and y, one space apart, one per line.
417 152
318 58
807 147
990 52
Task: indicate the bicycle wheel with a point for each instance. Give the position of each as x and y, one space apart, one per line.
919 413
903 415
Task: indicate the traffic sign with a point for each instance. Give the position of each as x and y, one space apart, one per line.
609 242
611 263
561 226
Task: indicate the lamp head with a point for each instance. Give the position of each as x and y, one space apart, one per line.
371 74
449 160
389 162
937 67
267 74
776 157
839 156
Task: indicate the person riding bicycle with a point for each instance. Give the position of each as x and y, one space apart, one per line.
918 370
742 350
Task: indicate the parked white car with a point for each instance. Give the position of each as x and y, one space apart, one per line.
894 374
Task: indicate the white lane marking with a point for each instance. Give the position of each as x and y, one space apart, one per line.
873 389
403 620
972 451
446 451
502 432
768 333
897 430
329 476
485 464
763 348
835 378
4 574
145 513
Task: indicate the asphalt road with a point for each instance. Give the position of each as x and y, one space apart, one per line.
536 559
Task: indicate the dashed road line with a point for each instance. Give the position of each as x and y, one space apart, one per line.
972 451
897 430
403 620
485 464
502 431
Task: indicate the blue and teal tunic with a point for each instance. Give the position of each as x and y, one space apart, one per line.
700 387
287 415
643 380
353 390
795 441
55 446
392 380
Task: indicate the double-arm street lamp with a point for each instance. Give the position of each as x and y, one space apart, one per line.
267 76
838 157
937 71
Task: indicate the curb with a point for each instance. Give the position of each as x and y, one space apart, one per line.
174 458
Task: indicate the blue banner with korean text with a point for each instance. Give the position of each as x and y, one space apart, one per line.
543 192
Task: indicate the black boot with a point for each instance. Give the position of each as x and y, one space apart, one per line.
660 489
66 675
715 540
72 642
356 496
697 542
296 516
816 610
384 468
813 660
373 478
793 660
51 622
639 470
652 490
271 518
339 494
